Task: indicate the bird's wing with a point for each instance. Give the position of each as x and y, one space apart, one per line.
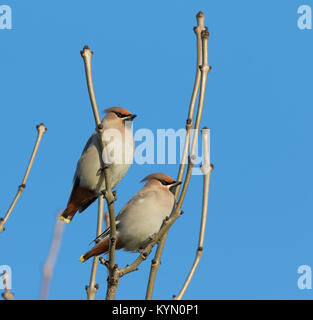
87 204
138 198
133 201
105 233
92 141
89 142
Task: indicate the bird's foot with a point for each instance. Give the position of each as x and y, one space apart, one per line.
146 242
111 196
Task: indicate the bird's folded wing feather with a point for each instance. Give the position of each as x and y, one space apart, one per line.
132 202
105 233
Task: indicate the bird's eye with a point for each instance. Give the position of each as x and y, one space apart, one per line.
165 183
119 114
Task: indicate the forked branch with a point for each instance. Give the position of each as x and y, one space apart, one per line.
87 54
203 69
189 122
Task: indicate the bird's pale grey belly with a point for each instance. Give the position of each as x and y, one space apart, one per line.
88 168
141 222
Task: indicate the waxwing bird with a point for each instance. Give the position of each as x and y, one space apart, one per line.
88 181
141 217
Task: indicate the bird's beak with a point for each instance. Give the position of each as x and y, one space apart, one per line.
173 186
131 117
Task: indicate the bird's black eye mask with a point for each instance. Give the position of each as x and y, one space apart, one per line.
125 117
120 115
165 183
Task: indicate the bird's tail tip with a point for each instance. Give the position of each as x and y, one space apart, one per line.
67 220
82 258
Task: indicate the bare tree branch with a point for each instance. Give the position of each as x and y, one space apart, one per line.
87 56
7 294
156 262
107 219
41 130
204 68
93 287
189 122
206 170
50 262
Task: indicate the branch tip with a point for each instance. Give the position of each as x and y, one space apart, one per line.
200 18
86 52
41 128
200 14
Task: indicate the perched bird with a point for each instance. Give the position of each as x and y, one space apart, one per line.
87 183
141 218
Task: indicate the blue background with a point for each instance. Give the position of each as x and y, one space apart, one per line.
258 107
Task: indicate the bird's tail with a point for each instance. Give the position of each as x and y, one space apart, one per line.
68 214
99 248
80 199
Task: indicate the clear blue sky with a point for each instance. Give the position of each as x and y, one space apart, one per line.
258 107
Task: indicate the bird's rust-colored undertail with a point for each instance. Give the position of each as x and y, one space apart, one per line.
101 248
80 199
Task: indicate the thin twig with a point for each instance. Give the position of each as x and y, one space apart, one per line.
50 262
93 287
41 130
87 56
189 122
206 169
107 219
7 294
204 70
155 264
